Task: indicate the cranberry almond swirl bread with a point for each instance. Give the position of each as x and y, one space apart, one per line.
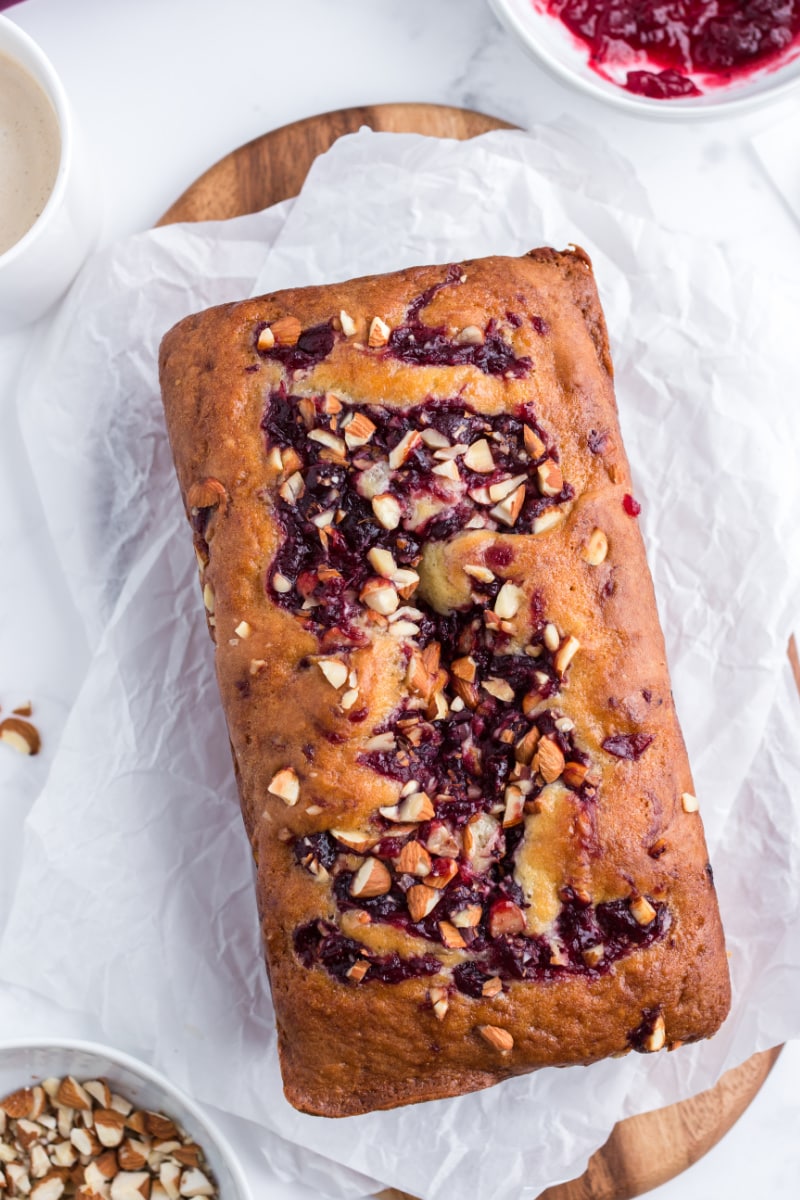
475 829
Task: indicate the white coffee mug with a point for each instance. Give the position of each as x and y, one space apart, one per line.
38 268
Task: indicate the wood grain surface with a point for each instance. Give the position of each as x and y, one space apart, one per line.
273 167
642 1152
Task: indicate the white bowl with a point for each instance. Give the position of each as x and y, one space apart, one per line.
25 1063
38 268
565 56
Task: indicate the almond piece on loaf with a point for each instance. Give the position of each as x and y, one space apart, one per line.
457 752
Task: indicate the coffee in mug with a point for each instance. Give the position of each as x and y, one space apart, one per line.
30 150
48 201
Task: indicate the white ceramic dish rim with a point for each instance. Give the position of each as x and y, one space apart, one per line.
148 1075
720 104
53 88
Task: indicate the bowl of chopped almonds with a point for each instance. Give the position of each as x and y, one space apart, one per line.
85 1121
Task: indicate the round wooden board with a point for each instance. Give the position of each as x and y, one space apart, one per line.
642 1152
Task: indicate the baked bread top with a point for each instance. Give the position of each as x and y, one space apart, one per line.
437 645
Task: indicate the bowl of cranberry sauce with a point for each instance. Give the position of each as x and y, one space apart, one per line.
665 58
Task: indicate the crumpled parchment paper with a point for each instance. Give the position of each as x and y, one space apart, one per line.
134 899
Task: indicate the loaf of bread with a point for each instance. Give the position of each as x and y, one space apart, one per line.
478 846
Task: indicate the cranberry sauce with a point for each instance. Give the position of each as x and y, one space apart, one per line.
359 478
660 85
583 928
474 765
320 942
480 734
486 349
428 347
311 347
466 760
627 745
720 39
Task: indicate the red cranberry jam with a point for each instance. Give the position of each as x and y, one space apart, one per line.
719 39
419 344
481 734
359 478
320 942
627 745
427 346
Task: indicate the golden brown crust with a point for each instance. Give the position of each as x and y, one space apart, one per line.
349 1047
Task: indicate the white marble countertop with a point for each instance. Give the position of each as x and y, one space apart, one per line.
161 90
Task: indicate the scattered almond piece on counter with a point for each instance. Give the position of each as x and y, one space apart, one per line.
81 1141
19 733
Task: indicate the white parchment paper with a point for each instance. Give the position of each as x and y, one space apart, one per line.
134 897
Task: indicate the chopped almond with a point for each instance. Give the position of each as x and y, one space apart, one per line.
565 654
509 509
379 333
292 489
450 936
548 520
526 746
499 688
642 910
482 574
72 1095
657 1037
334 670
506 917
286 785
109 1126
551 480
380 595
532 442
387 510
371 879
504 487
548 760
354 839
478 457
466 692
414 859
594 955
206 493
442 842
442 872
382 561
439 999
404 448
421 900
596 549
416 807
470 335
281 584
349 327
498 1039
359 430
514 806
574 774
467 918
508 601
482 837
465 668
286 331
551 637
